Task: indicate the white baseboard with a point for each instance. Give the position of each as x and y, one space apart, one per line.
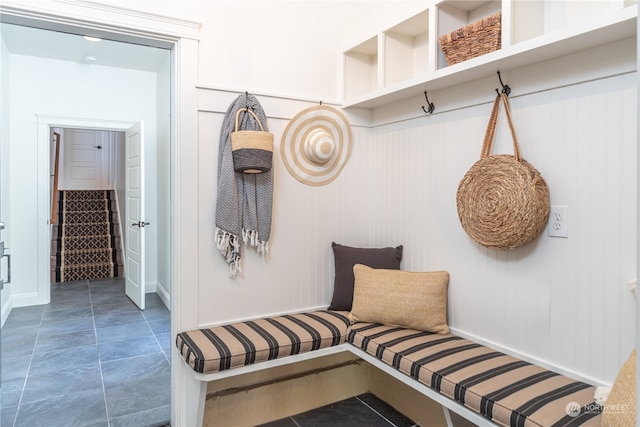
164 294
7 306
150 287
26 300
15 301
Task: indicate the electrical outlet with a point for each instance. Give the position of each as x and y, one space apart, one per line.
559 221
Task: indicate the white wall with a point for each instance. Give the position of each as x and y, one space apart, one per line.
163 178
58 88
5 179
563 302
291 47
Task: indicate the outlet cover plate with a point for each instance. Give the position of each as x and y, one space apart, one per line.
559 221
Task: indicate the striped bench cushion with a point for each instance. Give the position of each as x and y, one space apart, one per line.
245 343
506 390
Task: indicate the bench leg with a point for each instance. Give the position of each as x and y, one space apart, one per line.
190 396
447 417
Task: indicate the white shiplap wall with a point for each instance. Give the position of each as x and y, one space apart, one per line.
563 302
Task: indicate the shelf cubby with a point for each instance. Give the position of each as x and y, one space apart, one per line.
406 58
532 19
406 50
455 14
361 68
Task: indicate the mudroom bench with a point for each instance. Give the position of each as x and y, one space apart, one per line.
482 385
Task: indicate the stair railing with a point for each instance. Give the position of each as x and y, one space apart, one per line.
54 198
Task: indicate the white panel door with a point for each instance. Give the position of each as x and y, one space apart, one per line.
134 213
85 160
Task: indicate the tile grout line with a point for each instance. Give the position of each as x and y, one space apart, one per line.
26 378
377 413
40 324
95 330
155 337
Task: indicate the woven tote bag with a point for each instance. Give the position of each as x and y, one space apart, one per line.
503 201
252 150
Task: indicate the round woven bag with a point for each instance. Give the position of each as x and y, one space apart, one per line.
503 201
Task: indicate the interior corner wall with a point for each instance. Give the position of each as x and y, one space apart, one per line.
561 302
41 86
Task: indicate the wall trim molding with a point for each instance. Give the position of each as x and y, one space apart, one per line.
216 100
6 309
156 30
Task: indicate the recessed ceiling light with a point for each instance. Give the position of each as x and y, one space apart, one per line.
90 57
92 39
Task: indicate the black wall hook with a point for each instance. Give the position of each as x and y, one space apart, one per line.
505 88
430 107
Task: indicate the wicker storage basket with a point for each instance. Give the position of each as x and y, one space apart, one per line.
472 40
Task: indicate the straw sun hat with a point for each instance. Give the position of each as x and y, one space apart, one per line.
316 145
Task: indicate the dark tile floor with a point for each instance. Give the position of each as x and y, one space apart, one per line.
90 358
365 410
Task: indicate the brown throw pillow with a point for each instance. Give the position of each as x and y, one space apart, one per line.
401 298
620 408
346 257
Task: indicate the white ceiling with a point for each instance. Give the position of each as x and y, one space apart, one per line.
29 41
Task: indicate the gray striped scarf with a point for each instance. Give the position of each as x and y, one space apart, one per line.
243 207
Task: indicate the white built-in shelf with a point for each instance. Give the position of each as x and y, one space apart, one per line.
405 60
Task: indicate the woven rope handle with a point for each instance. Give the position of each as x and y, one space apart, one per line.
490 134
252 113
507 109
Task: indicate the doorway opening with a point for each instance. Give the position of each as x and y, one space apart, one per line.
101 224
119 329
87 193
180 38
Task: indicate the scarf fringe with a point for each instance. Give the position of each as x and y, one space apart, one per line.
251 238
229 246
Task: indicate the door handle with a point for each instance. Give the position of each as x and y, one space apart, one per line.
2 281
140 224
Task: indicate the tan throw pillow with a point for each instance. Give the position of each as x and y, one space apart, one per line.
401 298
620 408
